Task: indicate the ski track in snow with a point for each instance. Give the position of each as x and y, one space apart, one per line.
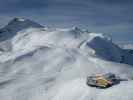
43 64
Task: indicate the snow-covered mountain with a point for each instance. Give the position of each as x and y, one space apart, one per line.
18 24
45 64
13 28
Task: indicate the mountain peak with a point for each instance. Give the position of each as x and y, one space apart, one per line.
18 24
17 19
76 29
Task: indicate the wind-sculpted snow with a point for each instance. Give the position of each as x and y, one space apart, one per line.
53 65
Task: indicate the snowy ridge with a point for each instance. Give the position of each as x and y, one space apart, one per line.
45 64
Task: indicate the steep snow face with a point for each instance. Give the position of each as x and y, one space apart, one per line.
53 64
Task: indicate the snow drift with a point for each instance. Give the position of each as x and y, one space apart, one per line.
44 64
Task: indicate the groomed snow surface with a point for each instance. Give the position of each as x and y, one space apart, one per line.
45 64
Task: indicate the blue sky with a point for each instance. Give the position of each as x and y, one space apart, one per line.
108 16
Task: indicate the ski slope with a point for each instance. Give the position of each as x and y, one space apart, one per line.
43 64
